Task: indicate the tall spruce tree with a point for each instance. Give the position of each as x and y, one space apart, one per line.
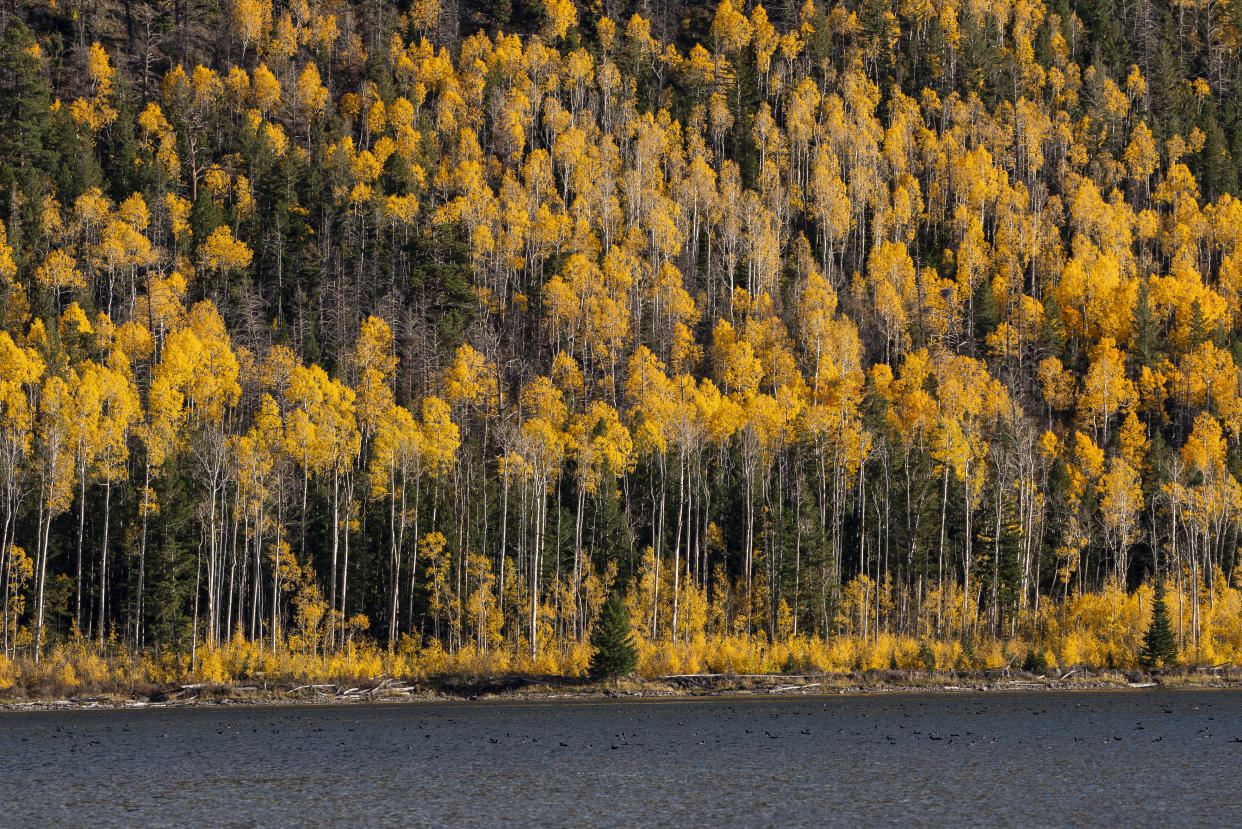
615 654
1159 643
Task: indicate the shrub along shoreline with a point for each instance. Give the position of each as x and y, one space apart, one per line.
74 676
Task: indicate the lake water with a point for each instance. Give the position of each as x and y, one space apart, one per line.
1146 758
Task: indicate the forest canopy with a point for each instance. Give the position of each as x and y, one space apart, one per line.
818 332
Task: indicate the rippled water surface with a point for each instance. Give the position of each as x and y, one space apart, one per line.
1056 759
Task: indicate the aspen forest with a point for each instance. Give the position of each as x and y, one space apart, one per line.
342 337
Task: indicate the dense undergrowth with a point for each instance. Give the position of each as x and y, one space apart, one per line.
1096 632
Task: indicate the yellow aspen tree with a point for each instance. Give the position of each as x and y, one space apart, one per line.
54 460
1106 390
21 370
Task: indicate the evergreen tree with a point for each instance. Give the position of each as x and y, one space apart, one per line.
1159 643
615 654
1146 337
24 105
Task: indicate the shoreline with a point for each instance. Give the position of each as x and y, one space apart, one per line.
520 688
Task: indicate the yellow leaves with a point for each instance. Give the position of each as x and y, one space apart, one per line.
322 429
104 405
684 350
372 362
601 445
74 320
8 268
559 17
323 32
1205 375
829 197
96 112
264 89
364 168
274 138
21 566
373 350
133 211
51 222
651 396
206 86
1089 456
237 82
891 274
1106 389
222 252
36 336
1056 383
471 380
162 306
589 306
122 245
764 38
91 116
769 421
1190 309
914 412
737 367
1133 441
567 375
251 19
540 447
91 208
1141 156
217 183
967 391
402 445
152 121
1204 450
284 38
377 117
510 131
198 371
718 416
1050 446
131 340
311 96
396 445
243 198
730 28
1020 332
54 429
59 272
20 370
1121 498
970 402
425 14
671 297
178 214
432 549
541 399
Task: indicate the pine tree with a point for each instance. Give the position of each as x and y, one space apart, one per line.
615 654
1159 643
1146 337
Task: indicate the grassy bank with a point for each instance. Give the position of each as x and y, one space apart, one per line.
247 670
519 687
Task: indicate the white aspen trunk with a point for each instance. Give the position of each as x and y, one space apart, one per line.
103 566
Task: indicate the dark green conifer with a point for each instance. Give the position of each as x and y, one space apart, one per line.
615 654
1159 643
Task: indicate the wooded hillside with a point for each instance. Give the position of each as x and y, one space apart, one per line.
816 331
